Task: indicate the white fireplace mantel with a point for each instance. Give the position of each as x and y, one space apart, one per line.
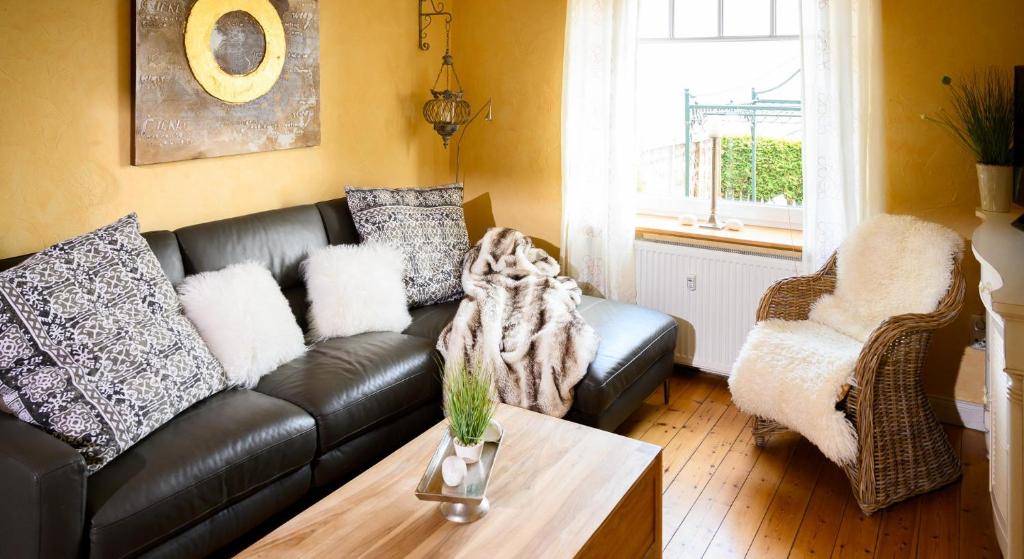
999 248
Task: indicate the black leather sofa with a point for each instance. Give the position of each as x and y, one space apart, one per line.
231 462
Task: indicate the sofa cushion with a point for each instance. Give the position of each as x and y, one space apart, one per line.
428 225
632 339
244 319
355 289
429 321
216 453
165 246
337 216
93 346
351 384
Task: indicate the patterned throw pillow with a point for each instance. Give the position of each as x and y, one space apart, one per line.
94 348
427 225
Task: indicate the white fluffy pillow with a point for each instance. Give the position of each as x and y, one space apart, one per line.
245 320
354 289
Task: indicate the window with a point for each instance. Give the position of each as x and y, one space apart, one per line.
719 109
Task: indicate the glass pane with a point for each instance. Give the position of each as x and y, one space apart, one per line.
654 16
747 17
787 17
696 18
666 70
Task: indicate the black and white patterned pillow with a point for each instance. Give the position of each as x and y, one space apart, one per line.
427 225
94 348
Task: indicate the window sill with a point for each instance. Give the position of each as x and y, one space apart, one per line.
751 236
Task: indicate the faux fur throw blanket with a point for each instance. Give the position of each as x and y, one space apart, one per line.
519 318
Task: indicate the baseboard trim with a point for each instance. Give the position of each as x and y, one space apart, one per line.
959 412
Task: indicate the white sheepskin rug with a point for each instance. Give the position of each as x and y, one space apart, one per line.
893 264
795 372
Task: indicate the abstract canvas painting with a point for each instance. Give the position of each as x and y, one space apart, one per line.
225 77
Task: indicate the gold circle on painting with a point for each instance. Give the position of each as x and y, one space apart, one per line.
227 87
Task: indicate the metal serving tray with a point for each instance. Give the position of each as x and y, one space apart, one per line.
467 501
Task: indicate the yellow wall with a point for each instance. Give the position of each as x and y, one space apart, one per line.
512 53
65 124
929 175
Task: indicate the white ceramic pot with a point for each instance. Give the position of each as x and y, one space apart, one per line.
471 454
493 432
995 183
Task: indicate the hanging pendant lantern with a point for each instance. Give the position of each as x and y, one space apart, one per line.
447 110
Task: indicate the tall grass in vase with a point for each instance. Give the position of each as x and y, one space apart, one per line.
982 120
469 404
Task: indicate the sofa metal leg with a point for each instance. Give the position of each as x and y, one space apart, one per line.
665 390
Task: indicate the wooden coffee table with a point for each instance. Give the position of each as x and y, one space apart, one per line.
558 489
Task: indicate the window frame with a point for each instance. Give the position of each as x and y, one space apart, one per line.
750 213
721 36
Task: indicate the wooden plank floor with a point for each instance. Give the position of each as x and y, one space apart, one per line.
725 497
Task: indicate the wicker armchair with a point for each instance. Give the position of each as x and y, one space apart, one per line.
902 449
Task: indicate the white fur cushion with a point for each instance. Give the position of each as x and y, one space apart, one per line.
245 320
892 265
792 372
354 289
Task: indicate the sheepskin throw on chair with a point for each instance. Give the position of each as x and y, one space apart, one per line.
795 371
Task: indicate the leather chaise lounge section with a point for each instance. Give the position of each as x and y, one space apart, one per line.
231 462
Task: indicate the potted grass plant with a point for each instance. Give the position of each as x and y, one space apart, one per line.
469 404
982 120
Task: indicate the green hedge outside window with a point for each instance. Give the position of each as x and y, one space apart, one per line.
779 169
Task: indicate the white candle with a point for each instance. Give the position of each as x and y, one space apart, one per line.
453 470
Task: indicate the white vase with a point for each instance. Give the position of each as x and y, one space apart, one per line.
471 454
995 182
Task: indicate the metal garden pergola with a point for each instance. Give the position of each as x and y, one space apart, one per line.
759 109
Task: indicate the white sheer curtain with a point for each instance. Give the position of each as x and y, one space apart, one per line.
599 158
843 143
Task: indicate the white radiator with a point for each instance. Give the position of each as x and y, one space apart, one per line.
712 292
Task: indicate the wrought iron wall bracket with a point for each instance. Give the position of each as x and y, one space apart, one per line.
429 9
